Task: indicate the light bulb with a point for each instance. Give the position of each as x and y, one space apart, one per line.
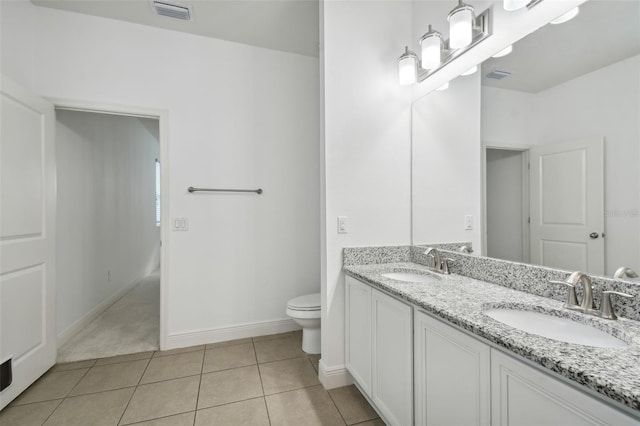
431 44
566 17
511 5
460 26
443 87
408 67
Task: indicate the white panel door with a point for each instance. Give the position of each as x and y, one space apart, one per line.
523 396
358 333
567 206
27 236
444 359
392 381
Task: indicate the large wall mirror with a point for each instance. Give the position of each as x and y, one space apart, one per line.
536 158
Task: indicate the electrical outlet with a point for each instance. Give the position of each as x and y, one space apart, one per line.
180 224
468 222
342 224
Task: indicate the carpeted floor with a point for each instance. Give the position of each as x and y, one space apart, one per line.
130 325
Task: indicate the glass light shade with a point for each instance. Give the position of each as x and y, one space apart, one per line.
514 4
503 52
408 68
460 27
431 51
471 70
567 16
443 87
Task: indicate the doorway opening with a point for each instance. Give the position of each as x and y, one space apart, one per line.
108 233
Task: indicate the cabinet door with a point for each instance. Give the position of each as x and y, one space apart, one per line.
452 377
358 332
522 395
392 359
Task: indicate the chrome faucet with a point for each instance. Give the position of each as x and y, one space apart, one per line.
587 304
439 264
623 271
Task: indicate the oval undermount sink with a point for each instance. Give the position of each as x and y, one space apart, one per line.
556 328
409 277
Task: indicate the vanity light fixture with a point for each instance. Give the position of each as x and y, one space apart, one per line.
460 25
503 52
408 67
432 45
437 52
471 70
566 17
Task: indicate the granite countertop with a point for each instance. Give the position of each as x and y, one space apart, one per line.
461 300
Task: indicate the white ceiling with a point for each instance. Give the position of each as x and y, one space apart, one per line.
286 25
605 32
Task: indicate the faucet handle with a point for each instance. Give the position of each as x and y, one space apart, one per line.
606 309
446 265
572 300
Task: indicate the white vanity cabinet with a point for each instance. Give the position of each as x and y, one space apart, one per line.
379 350
452 381
523 395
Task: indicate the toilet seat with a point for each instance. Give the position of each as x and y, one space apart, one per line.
308 302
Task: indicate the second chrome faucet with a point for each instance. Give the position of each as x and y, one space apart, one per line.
439 264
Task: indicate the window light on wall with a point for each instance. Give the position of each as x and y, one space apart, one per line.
157 192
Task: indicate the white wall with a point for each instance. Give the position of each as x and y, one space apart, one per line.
107 238
367 156
239 116
506 117
446 163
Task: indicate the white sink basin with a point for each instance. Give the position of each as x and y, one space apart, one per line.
409 277
556 328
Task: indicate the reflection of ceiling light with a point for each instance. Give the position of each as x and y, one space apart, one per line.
514 4
443 87
503 52
408 67
470 70
460 26
567 16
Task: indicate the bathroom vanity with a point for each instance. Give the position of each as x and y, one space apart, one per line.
427 353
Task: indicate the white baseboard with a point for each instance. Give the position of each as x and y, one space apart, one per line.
334 376
94 313
221 334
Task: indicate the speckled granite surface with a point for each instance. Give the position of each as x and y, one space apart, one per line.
614 373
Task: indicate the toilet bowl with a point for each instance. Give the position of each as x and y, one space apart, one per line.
305 311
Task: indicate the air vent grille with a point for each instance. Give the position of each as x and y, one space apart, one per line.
172 10
498 75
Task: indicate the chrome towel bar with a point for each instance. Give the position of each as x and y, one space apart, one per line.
192 189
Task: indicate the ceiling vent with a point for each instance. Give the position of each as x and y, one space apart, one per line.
498 75
172 10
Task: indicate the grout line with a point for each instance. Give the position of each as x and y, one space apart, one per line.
296 389
264 397
54 410
336 405
199 386
78 382
163 417
134 392
284 359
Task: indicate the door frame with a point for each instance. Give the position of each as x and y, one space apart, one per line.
163 124
506 146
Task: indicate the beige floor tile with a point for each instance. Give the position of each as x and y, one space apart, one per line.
229 343
244 413
228 386
288 374
124 358
185 419
276 349
28 415
173 367
97 409
227 357
109 377
315 360
72 365
179 351
162 399
297 334
309 406
376 422
352 405
51 386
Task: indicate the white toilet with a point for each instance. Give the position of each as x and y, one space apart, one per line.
305 311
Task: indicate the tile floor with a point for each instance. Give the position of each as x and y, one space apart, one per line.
265 380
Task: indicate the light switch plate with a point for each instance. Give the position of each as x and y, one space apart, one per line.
468 222
342 224
180 224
